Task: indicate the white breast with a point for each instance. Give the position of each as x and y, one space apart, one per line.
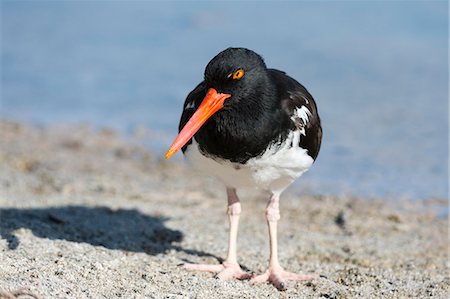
273 171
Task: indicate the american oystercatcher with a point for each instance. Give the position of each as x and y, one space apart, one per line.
249 126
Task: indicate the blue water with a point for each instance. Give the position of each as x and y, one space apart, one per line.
378 70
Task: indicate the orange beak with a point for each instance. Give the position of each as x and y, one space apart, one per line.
212 103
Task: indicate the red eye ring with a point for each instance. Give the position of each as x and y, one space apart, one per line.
238 74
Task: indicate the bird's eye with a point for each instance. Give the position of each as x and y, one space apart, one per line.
238 74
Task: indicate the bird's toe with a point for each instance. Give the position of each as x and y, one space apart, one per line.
225 271
204 267
278 281
279 277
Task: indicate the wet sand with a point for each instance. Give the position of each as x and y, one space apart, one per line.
85 213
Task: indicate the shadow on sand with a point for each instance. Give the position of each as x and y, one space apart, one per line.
127 230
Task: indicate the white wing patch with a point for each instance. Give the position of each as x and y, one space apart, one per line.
302 113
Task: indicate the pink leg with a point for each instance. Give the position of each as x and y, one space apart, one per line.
229 268
275 274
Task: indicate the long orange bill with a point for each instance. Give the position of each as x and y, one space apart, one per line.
212 102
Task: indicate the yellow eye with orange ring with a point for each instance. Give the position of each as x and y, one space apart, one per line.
238 74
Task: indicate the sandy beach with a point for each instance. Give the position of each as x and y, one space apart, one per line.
86 213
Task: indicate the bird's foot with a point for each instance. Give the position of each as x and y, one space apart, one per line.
225 271
278 277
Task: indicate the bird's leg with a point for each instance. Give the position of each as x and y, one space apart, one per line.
234 212
229 268
275 274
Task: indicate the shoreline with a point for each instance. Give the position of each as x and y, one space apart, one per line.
85 214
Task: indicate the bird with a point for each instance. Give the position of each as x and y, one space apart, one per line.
250 126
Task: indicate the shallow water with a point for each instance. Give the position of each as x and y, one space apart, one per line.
378 72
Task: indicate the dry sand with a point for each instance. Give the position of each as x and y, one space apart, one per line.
86 214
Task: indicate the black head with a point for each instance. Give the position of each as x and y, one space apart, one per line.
237 71
236 87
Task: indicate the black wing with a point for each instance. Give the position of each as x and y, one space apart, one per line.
294 96
193 101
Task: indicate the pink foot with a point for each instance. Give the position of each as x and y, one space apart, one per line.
225 271
278 277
